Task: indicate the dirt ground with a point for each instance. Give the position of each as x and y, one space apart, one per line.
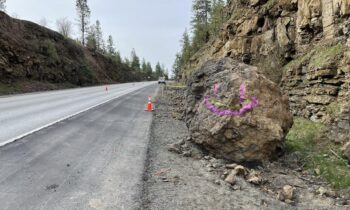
181 176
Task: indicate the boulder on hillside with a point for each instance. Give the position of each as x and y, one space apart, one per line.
237 113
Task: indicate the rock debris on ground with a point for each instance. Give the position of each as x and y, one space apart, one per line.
180 175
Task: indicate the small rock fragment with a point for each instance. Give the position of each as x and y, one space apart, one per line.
187 153
288 192
217 182
280 196
331 193
235 187
254 178
231 178
215 165
240 171
231 166
181 142
164 179
317 171
321 191
174 148
289 201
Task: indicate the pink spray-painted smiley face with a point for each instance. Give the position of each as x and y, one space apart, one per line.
222 112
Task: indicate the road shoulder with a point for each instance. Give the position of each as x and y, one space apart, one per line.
179 175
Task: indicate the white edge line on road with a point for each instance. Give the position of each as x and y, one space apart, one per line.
62 119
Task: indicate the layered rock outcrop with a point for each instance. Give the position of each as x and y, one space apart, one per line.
303 45
236 113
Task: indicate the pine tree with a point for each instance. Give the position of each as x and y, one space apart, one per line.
200 23
144 66
217 17
159 72
103 48
117 58
177 67
91 42
149 71
99 36
164 72
135 61
110 46
83 11
2 5
184 56
127 62
186 48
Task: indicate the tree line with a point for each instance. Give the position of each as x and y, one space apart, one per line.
207 20
91 36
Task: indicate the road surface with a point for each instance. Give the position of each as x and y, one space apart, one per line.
22 115
93 160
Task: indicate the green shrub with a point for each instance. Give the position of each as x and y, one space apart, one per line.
305 137
49 49
86 74
325 55
332 168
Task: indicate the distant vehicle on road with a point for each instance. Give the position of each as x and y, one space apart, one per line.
161 80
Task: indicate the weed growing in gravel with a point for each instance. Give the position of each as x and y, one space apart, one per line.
332 168
316 152
303 135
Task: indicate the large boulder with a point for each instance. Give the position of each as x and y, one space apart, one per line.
237 113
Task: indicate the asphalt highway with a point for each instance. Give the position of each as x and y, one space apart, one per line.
92 157
25 114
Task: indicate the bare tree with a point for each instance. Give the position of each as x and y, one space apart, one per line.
83 11
15 15
2 5
64 26
43 22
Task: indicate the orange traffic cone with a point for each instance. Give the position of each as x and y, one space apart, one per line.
149 105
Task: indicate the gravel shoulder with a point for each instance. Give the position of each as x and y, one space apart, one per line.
179 175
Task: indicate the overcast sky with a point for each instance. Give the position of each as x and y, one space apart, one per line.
152 27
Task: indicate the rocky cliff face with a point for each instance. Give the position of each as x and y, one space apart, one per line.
303 45
29 52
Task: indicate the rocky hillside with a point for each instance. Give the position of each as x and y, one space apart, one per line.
36 58
303 45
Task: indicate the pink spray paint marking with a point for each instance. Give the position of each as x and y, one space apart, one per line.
222 112
216 89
